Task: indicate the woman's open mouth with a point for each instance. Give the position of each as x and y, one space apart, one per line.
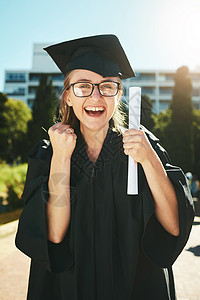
94 111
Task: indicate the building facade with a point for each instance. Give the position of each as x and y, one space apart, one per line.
157 84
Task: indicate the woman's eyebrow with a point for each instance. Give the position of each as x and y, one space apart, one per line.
85 80
88 80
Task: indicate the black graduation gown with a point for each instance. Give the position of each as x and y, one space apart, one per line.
114 249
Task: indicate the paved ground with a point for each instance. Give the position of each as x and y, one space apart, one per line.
187 267
14 266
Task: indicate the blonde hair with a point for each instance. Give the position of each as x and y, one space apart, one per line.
68 117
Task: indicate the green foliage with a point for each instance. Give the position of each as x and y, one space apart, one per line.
3 125
3 99
196 135
180 130
146 112
162 123
12 179
182 102
12 175
13 200
42 111
16 115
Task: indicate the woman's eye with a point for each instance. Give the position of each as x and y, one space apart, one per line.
107 86
85 86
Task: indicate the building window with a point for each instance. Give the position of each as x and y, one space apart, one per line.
148 91
166 77
17 92
145 76
57 77
195 92
15 77
163 105
195 76
53 77
166 91
34 77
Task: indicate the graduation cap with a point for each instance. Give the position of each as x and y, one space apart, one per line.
102 54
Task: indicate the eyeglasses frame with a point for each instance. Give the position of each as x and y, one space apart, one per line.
93 85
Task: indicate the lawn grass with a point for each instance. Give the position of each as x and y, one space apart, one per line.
10 216
12 176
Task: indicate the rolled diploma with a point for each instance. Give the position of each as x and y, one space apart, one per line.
134 122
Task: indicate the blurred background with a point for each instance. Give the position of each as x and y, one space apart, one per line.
162 42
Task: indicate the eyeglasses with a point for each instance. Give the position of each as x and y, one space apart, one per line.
105 88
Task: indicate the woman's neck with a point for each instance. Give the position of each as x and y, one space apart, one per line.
94 141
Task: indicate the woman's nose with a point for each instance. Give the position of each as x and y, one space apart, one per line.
96 95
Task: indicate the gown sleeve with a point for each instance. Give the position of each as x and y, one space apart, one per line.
31 237
161 247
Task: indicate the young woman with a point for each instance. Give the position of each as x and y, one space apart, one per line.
87 238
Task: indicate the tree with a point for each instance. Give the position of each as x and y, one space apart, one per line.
42 111
3 126
16 114
162 123
196 132
180 129
3 99
146 112
14 201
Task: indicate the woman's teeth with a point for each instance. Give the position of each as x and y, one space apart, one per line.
94 108
94 111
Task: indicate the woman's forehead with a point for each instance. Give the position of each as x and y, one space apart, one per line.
86 75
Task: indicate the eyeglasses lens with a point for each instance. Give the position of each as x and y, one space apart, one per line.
82 89
108 88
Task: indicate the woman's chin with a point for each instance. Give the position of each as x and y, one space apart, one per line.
94 126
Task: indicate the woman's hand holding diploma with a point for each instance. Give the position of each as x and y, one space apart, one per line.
137 145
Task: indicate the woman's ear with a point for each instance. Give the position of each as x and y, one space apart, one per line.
119 95
68 100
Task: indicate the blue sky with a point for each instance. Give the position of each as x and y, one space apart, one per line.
154 33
